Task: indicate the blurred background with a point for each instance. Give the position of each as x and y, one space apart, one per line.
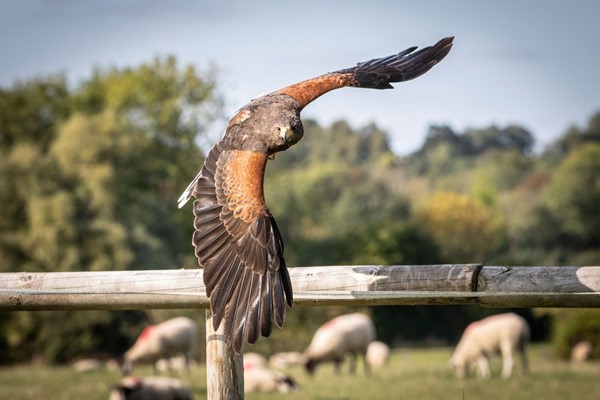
107 109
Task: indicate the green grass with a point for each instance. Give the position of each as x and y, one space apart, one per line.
411 374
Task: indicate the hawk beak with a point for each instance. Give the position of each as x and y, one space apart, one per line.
283 133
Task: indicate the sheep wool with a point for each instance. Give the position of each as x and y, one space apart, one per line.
502 333
171 338
344 335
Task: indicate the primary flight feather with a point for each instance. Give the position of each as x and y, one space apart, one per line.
236 240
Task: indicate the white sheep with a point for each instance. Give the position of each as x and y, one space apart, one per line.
333 341
87 364
260 379
168 339
254 360
378 354
287 359
150 388
503 333
581 352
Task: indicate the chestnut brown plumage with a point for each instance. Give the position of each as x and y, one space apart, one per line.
237 241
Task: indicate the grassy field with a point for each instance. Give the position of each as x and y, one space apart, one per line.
412 374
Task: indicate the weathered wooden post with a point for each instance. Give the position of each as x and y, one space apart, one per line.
224 368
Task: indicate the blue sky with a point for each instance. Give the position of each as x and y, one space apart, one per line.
533 63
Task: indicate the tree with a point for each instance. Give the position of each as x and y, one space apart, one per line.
37 218
446 152
91 178
512 138
30 112
573 138
444 135
573 195
463 229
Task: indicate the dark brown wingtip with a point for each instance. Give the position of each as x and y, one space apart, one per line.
442 48
411 63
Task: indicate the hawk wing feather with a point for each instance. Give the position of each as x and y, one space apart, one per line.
236 310
223 293
266 306
240 247
253 323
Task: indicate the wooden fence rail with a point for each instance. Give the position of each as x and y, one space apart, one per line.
370 285
490 286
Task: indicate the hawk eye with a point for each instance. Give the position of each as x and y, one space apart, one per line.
283 133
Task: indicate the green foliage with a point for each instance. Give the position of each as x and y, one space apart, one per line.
573 326
39 223
533 237
551 213
60 336
30 112
503 170
573 138
89 179
65 335
510 138
445 151
463 229
395 242
573 196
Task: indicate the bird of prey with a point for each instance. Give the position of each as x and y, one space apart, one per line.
236 239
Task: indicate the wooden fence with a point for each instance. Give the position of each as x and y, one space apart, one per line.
366 285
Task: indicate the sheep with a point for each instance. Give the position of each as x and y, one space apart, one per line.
286 359
150 388
378 354
502 333
346 334
581 352
261 379
87 364
254 360
170 338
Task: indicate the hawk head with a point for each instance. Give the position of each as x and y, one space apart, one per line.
268 124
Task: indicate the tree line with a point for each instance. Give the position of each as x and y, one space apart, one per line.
89 176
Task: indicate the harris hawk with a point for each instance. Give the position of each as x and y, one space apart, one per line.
236 239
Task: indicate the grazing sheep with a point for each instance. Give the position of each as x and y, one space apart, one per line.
346 334
581 352
503 333
254 360
87 364
378 354
260 379
150 388
287 359
168 339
